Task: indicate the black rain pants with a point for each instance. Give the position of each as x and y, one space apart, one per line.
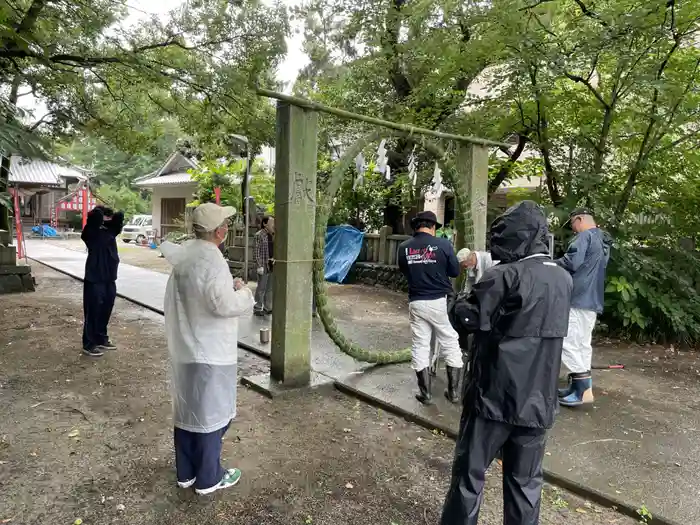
478 444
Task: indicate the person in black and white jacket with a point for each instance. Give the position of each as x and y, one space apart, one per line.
429 262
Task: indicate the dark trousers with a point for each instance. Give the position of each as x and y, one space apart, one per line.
199 456
98 301
478 443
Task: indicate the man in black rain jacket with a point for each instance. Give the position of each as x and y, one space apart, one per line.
100 287
518 313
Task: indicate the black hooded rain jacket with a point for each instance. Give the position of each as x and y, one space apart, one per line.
519 313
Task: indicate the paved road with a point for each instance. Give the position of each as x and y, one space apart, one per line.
639 443
147 287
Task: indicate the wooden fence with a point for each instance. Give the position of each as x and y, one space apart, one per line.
382 247
379 248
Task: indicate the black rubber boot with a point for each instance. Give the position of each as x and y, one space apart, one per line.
424 396
452 392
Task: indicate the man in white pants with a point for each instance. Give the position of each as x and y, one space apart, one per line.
586 261
428 262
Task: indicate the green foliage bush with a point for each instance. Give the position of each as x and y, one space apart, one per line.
653 294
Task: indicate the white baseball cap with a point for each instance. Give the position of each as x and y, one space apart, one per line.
210 216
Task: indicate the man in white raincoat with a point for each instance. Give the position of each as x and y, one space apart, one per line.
475 263
202 302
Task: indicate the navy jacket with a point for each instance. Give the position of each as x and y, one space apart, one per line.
428 262
100 237
586 261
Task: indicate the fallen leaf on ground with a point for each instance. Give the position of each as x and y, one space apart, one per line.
74 433
349 486
581 511
347 430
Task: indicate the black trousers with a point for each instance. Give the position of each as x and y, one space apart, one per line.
478 443
98 302
199 456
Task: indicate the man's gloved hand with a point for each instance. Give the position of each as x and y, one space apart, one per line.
238 284
261 270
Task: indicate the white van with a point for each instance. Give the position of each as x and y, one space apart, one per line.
137 228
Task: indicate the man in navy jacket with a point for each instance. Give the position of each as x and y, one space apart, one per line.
586 260
100 287
428 262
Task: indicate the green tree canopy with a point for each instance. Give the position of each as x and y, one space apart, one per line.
93 72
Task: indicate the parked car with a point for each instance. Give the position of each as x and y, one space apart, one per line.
137 228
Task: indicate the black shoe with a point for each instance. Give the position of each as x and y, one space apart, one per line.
107 346
267 312
93 352
424 396
452 392
259 313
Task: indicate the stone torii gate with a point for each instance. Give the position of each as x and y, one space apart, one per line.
295 212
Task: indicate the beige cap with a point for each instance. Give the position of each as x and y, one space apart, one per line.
210 216
463 254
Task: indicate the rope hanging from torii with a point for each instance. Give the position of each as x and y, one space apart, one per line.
323 210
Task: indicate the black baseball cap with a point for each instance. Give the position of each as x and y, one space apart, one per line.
577 212
425 216
580 211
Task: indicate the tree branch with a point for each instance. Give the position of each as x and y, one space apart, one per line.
390 42
507 166
41 121
30 17
532 6
644 150
591 14
587 83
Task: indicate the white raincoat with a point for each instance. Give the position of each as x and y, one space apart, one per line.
201 307
474 275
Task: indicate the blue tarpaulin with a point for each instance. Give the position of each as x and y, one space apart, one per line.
45 231
343 245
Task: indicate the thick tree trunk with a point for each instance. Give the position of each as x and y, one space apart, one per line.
5 164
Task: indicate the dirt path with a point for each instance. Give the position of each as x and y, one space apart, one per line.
92 439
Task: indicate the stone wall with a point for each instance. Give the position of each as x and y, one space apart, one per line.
375 274
16 279
236 268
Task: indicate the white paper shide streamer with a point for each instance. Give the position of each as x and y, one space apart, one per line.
381 157
413 168
360 166
437 180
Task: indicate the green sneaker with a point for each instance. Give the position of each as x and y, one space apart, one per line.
231 478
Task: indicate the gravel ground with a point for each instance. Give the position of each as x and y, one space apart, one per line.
91 439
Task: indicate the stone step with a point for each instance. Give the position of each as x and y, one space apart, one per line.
8 256
239 241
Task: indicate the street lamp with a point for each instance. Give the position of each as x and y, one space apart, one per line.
243 142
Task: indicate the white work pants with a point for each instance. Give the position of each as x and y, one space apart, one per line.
578 352
427 317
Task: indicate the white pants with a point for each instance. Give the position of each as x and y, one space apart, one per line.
578 352
427 317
